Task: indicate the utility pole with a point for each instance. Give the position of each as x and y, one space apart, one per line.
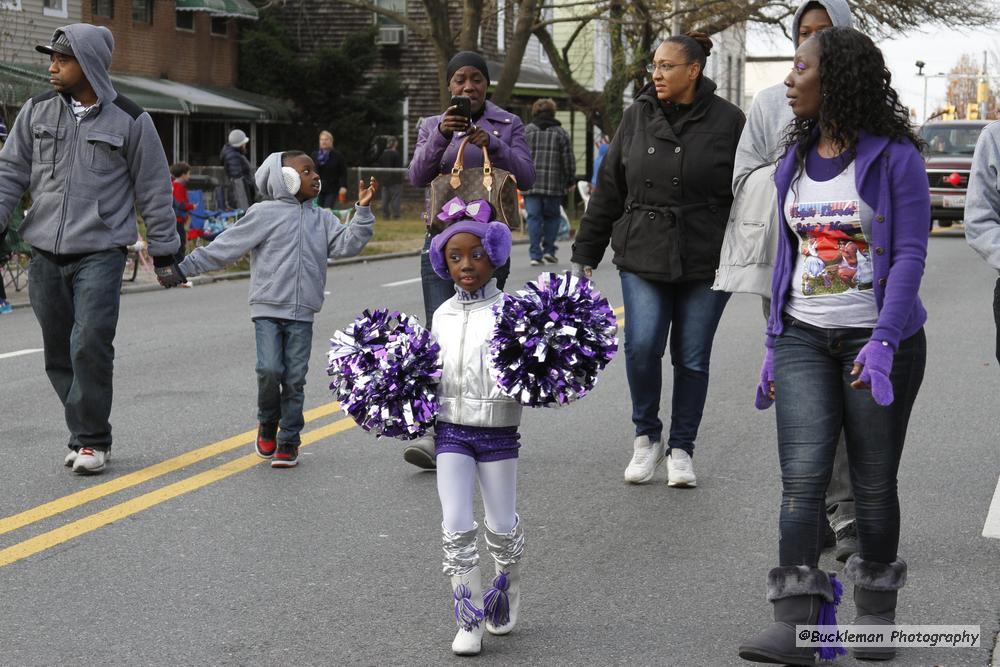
675 20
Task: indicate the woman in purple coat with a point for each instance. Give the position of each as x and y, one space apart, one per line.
502 134
845 344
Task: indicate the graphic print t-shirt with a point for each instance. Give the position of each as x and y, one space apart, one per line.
832 281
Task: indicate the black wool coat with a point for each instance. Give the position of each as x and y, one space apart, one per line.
664 191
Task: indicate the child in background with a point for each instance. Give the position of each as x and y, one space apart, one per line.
476 431
180 172
289 242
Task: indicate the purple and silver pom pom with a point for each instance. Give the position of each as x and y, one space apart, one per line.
385 372
551 339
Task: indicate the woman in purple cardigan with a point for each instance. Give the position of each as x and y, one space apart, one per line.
845 339
438 139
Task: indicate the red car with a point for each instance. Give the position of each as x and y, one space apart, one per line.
948 159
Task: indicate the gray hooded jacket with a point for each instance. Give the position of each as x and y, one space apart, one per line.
982 203
85 177
748 250
289 242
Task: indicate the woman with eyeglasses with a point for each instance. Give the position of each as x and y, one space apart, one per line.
662 201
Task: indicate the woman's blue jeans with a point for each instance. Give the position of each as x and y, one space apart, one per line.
689 314
814 401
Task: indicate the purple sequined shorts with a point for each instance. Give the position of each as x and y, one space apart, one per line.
484 444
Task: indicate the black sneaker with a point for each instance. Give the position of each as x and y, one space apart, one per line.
287 456
549 258
847 542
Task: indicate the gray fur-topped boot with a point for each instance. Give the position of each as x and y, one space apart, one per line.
801 595
876 586
503 599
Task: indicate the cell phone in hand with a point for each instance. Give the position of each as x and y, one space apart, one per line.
463 104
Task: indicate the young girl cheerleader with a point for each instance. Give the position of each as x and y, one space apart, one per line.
476 432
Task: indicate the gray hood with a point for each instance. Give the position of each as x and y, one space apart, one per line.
269 181
839 11
92 46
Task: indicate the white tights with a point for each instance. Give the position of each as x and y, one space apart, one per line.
456 482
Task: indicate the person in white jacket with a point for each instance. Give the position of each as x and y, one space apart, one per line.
982 208
476 433
751 241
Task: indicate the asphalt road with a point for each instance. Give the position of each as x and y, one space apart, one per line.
212 559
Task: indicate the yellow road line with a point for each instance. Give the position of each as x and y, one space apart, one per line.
92 493
619 310
88 524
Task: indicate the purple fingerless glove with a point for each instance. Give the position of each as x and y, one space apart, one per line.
763 400
876 359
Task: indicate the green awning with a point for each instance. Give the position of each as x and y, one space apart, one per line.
20 82
240 9
214 6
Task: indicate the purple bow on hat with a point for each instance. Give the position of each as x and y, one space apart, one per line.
455 209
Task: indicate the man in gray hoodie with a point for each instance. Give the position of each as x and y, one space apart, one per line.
87 156
750 243
982 208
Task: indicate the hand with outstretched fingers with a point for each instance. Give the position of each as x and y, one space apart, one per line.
874 363
168 274
765 389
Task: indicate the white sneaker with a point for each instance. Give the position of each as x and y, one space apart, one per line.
680 469
70 458
645 458
90 461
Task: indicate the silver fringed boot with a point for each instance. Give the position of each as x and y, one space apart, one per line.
461 564
503 599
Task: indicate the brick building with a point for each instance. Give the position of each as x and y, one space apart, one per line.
176 59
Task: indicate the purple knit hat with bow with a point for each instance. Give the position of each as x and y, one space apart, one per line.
472 218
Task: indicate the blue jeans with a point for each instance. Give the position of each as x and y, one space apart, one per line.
544 217
814 402
283 348
436 289
693 309
76 304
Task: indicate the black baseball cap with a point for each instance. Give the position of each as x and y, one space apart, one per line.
59 44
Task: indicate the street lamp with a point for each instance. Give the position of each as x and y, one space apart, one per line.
920 72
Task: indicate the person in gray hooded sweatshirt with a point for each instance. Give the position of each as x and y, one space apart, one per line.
289 242
88 156
982 208
751 238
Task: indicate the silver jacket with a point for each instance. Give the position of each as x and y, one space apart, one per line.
468 393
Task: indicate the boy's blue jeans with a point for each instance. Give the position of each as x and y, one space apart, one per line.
544 218
814 402
76 304
693 310
283 348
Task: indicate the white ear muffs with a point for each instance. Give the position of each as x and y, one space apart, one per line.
292 179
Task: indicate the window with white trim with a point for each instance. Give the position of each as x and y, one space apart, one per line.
220 26
11 5
56 8
184 21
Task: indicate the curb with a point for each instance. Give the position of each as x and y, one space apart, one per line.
240 275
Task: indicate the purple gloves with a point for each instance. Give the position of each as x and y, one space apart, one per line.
764 400
876 359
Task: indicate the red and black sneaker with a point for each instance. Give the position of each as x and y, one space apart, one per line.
266 440
287 456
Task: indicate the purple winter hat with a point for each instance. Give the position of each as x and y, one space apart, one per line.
474 219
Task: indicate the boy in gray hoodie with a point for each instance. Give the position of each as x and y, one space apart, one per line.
88 156
289 242
751 240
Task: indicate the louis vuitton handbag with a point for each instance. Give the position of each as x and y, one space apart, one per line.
497 186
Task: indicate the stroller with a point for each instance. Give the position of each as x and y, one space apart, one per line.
207 224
